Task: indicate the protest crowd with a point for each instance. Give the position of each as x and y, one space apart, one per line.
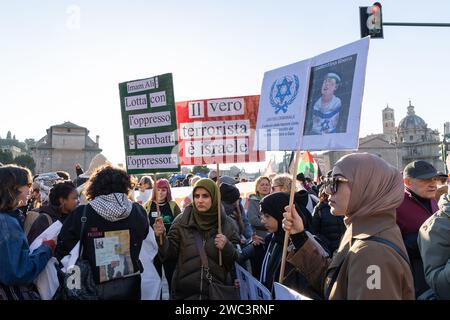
365 230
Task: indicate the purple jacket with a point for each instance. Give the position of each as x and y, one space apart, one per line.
412 214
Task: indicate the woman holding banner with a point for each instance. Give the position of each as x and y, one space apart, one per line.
162 205
371 261
193 240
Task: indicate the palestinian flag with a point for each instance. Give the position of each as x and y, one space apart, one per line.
309 167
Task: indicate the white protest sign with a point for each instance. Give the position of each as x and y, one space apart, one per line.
47 281
314 104
252 288
284 293
335 97
282 107
150 279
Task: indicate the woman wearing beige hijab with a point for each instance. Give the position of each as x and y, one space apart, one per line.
371 261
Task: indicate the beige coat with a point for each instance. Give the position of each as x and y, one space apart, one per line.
370 270
396 280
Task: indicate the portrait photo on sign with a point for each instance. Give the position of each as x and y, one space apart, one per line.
334 100
329 96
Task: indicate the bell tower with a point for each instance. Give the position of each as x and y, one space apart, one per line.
389 124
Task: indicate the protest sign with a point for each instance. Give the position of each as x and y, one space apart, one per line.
149 125
213 131
282 107
285 293
314 104
335 95
250 287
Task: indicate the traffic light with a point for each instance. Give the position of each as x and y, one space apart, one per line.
371 22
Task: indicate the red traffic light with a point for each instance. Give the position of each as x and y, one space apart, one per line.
375 7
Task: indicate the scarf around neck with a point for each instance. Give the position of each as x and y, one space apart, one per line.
112 207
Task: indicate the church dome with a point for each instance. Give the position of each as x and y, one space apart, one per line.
411 121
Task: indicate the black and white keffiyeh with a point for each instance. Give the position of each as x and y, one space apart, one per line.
112 207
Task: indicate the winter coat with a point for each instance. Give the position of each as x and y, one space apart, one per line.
230 210
371 261
180 243
301 199
434 246
353 276
130 232
410 216
254 216
18 267
48 215
327 227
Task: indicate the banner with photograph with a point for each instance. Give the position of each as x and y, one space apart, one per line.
335 95
218 130
314 104
149 125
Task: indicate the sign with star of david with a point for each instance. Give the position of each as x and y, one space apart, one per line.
314 104
282 107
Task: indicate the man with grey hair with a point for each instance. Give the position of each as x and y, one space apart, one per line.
418 205
434 246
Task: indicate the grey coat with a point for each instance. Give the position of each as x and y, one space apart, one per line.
434 246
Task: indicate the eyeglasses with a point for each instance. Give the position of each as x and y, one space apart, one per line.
273 187
331 183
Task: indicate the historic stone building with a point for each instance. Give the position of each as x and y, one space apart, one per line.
399 145
64 146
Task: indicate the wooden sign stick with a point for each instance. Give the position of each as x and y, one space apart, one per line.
291 202
219 206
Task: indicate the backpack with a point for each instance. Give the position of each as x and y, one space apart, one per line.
31 218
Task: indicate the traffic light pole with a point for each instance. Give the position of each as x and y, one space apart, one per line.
414 24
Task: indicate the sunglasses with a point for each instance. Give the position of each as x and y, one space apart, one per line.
273 187
331 183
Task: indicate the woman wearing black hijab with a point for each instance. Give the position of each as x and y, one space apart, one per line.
272 208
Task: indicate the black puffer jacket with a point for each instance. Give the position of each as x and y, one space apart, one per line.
301 200
327 227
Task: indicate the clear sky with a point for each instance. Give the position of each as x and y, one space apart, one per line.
62 60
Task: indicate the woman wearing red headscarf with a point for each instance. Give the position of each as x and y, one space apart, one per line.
161 205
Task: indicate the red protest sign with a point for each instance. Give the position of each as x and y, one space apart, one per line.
218 130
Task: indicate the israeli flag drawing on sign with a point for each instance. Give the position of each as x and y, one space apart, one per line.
282 107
